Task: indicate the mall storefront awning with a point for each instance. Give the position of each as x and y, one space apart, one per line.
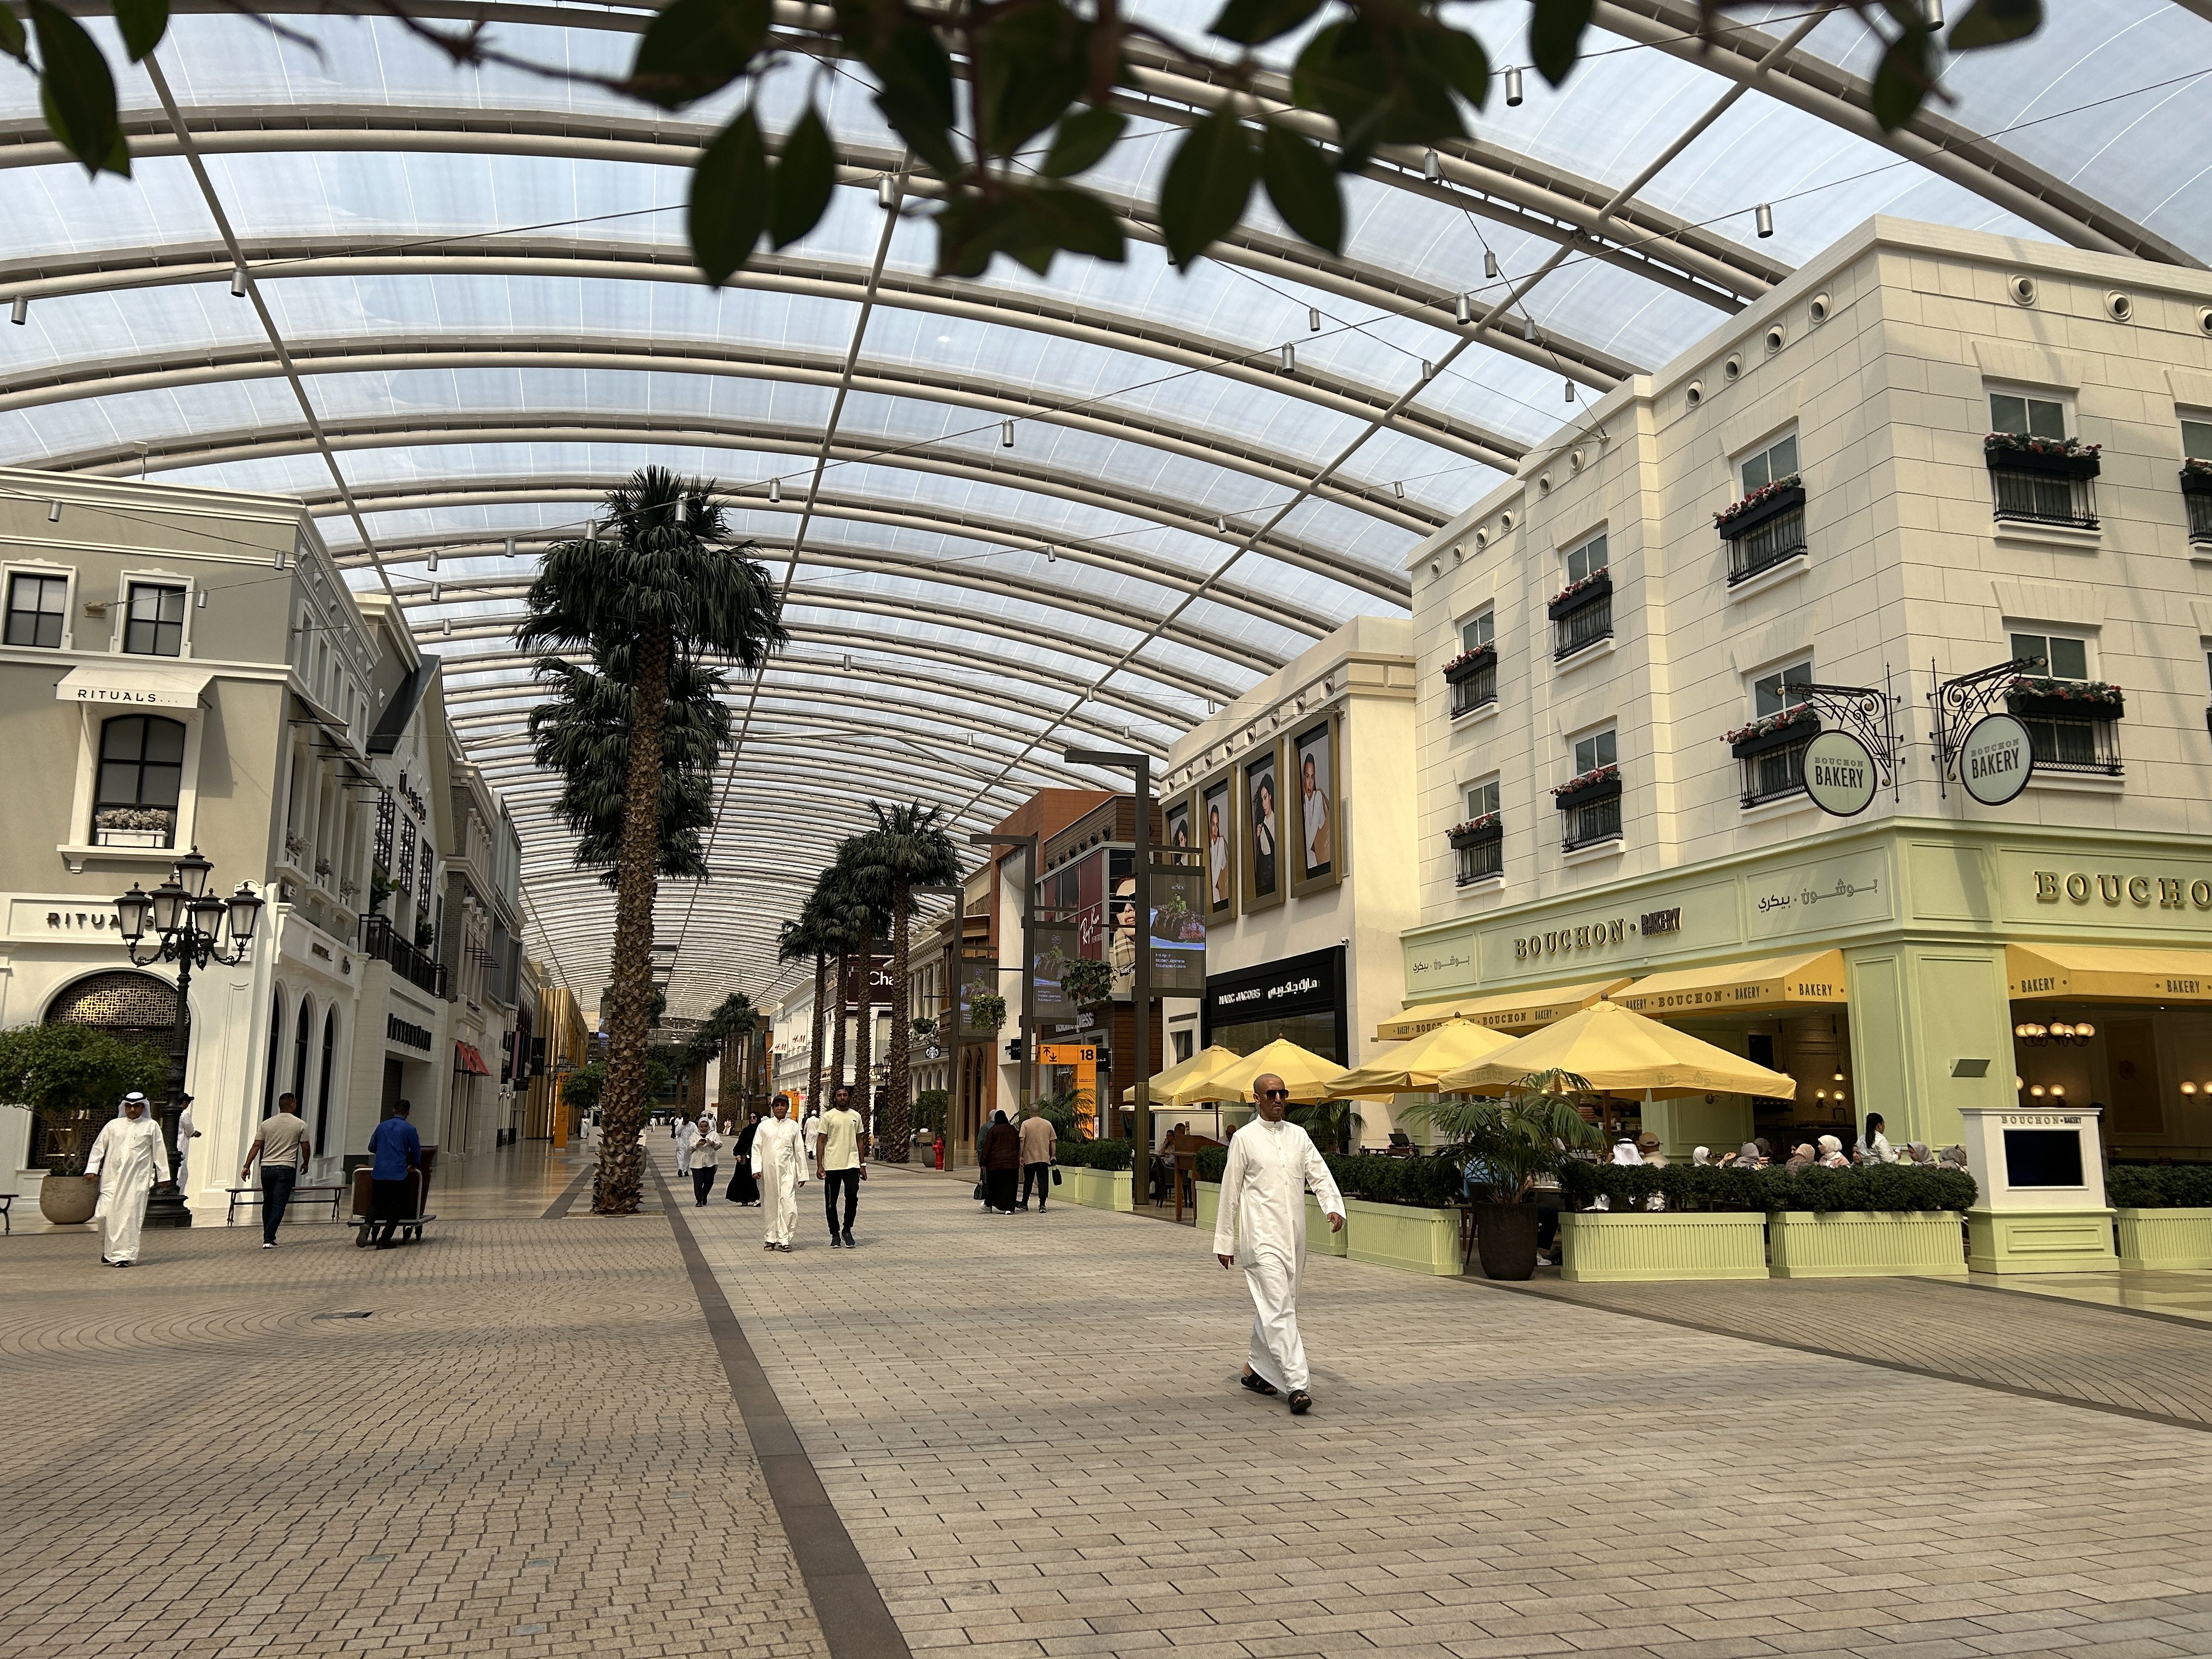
2107 973
468 1061
126 685
1762 986
1510 1011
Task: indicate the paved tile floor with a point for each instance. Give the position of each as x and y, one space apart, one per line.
1028 1428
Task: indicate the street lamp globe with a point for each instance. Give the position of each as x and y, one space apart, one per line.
191 872
132 910
207 914
168 901
245 913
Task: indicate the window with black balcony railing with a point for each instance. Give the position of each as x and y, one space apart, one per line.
1589 808
2197 497
1763 529
1771 752
2047 480
1478 849
2072 726
1472 678
1580 614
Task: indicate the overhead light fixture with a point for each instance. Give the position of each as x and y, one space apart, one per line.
437 592
434 558
1935 13
1051 554
1006 434
54 513
278 562
1571 392
1398 488
1490 263
510 547
776 489
1513 88
199 601
1428 369
1528 329
1432 167
1313 320
1220 525
1462 313
887 192
238 281
19 312
1762 219
848 662
1289 358
449 625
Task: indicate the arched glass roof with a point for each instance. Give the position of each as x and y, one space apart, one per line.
470 310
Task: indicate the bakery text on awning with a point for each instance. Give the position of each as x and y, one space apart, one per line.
2107 973
1770 982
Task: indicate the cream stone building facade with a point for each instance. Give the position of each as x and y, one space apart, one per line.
1943 456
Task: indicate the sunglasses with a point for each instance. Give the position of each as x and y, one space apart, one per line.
1274 1094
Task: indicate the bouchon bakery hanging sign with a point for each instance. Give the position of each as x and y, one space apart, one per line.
1840 774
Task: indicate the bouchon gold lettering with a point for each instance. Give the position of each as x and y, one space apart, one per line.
2139 889
2077 888
2046 887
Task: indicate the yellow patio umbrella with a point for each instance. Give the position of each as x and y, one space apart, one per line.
1310 1077
1623 1055
1415 1065
1199 1067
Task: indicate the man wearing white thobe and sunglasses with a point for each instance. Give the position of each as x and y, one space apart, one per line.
1263 1228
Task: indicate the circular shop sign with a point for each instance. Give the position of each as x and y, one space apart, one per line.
1838 773
1995 762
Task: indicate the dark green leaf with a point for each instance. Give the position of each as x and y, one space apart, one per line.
1378 90
142 23
916 96
1301 184
1084 136
1901 81
696 47
1207 186
1555 35
730 191
13 41
1031 64
1030 223
805 174
1255 23
1459 59
1081 223
76 92
1994 22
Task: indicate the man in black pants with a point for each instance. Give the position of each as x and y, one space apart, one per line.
841 1159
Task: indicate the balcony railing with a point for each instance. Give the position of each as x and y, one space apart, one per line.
1590 815
2075 745
2044 486
1775 773
1476 687
1764 530
2196 495
1581 619
382 942
1477 855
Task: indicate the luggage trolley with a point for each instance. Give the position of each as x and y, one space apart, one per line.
416 1217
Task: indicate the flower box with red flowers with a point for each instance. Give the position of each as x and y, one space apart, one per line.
1574 596
2038 698
1468 664
1766 503
1602 784
1475 831
1774 732
2014 452
2196 477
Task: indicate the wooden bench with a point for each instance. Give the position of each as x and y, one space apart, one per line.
332 1195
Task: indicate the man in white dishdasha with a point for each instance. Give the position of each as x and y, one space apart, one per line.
1263 1228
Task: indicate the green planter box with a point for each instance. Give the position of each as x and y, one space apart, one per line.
1096 1189
1209 1205
2040 1241
2167 1239
1867 1244
1396 1236
1319 1240
1600 1247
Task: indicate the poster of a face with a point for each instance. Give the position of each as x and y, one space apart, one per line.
1216 822
1263 801
1178 822
1313 804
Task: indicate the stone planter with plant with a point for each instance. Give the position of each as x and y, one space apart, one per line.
1502 1148
1096 1174
2163 1215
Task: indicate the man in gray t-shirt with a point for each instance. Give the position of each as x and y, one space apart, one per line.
283 1145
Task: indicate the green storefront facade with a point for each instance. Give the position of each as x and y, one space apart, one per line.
1921 913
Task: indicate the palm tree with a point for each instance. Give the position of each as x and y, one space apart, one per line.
663 582
866 887
906 848
733 1017
798 939
844 935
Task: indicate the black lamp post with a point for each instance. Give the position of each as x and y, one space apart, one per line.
190 924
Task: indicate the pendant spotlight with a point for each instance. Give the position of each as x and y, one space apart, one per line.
1006 434
1289 358
433 560
1762 217
1463 313
54 514
1513 88
19 312
510 547
776 489
1398 488
1490 263
1528 329
1571 392
238 281
1432 167
1313 320
1428 369
887 192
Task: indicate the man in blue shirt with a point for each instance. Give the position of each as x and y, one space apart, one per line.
397 1151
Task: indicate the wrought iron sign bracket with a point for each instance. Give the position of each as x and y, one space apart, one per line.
1959 703
1867 712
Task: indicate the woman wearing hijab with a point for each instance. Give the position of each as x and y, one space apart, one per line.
1802 1158
706 1142
129 1158
1873 1146
1002 1165
1701 1158
744 1189
1831 1154
1915 1152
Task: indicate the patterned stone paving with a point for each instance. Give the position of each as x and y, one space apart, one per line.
1028 1427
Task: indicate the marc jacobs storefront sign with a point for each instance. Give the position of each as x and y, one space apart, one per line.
2143 892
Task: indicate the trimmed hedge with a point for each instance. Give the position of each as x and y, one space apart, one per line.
1690 1187
1430 1182
2159 1186
1093 1154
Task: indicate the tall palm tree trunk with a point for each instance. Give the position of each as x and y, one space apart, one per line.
814 1043
621 1160
864 1038
837 1037
895 1134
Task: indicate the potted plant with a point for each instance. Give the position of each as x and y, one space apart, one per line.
130 826
1800 724
1600 783
1087 980
1475 831
71 1076
1771 500
381 888
2038 694
2067 457
1468 664
987 1011
1588 591
1505 1148
2164 1215
2197 476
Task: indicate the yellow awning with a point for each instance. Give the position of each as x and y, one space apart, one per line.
1620 1053
2107 973
1508 1011
1772 982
